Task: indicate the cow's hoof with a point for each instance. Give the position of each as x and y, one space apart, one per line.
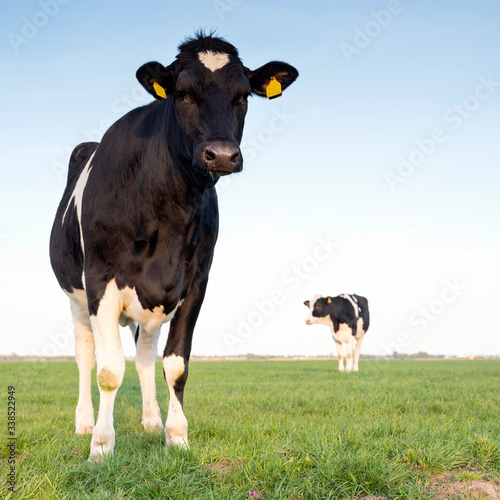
81 430
152 424
96 455
84 420
176 428
94 458
179 442
102 444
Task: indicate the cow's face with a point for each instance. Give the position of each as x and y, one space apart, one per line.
317 310
207 87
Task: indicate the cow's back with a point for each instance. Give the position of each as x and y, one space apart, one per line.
79 158
66 254
363 310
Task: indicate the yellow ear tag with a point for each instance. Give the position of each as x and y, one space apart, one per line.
273 90
160 91
329 301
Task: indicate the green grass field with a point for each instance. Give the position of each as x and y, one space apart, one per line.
284 430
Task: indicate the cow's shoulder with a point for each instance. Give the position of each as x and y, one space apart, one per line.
342 308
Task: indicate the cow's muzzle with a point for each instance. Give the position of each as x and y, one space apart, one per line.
220 157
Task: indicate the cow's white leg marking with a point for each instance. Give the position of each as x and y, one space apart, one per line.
147 349
85 358
356 353
176 424
340 353
349 354
110 368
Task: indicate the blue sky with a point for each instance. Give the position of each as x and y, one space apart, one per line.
382 159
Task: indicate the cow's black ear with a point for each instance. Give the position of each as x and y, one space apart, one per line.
306 303
262 77
157 79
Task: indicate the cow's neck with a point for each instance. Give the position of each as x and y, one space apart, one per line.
177 186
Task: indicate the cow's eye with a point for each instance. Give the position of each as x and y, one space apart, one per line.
241 99
181 96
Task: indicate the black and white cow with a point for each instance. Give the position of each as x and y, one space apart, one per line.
348 318
134 235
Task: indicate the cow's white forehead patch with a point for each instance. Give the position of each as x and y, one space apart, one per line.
213 60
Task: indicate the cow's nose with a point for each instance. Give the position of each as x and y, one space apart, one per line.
308 322
224 157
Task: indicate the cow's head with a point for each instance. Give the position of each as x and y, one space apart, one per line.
208 86
317 310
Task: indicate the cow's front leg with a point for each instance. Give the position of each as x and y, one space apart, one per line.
85 358
147 350
350 354
176 361
175 368
340 354
357 352
110 370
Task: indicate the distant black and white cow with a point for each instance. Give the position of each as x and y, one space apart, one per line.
134 235
348 318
